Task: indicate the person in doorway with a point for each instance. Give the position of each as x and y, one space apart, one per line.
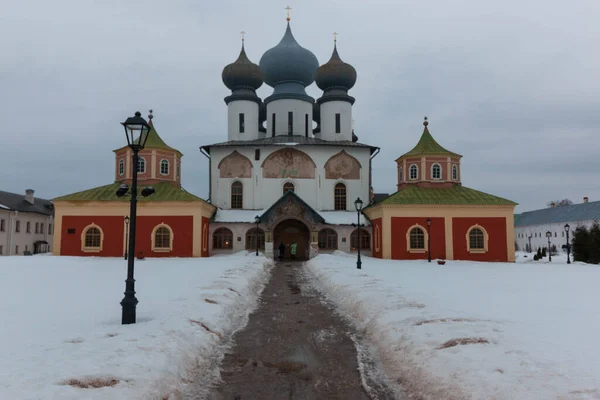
281 251
293 250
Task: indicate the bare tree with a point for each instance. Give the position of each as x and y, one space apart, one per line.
559 203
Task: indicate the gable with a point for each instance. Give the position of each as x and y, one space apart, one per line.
235 165
342 166
289 163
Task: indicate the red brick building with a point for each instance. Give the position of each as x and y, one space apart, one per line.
464 224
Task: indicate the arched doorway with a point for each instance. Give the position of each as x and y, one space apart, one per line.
288 232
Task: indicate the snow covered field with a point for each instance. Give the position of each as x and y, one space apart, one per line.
61 322
464 330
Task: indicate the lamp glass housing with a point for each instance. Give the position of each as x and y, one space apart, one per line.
358 203
136 131
567 227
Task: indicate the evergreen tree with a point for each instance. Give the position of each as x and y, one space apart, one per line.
594 250
581 244
539 253
544 252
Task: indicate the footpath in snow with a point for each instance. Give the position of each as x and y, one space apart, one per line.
468 330
61 324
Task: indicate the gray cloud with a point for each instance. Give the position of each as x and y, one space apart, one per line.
511 86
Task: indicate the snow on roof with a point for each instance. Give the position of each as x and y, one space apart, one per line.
247 216
3 206
287 144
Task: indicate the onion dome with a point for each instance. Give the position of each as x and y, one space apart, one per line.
242 74
288 62
335 74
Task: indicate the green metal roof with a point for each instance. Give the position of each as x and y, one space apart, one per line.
165 191
154 141
413 194
428 145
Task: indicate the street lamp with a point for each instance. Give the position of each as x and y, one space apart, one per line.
256 221
358 203
530 236
428 240
549 235
136 131
567 227
126 234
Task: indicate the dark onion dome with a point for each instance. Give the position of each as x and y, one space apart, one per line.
335 74
242 74
288 62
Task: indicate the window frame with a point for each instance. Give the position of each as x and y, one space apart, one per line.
142 164
2 225
338 123
241 123
170 237
237 199
365 238
290 123
273 120
454 172
17 226
162 163
340 201
121 167
327 239
28 227
410 172
220 237
478 250
252 235
287 184
401 174
409 237
84 239
433 168
306 125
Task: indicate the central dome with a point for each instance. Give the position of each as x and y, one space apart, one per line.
288 62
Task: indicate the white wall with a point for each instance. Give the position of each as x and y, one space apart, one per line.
9 239
261 193
538 233
281 108
328 111
250 111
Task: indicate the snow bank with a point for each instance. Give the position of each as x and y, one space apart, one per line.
431 323
61 323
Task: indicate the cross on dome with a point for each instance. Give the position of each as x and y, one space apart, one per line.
288 9
243 35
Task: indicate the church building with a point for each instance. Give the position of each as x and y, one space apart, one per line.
291 167
433 216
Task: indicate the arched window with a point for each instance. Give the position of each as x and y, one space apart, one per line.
477 239
365 240
413 172
340 196
328 239
164 167
454 172
91 239
121 167
436 171
288 187
237 195
222 239
162 238
252 236
141 168
417 239
401 174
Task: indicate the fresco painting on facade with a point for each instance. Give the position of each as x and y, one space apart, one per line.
289 163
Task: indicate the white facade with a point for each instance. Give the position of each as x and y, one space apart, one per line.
302 117
260 193
329 112
249 111
16 241
537 233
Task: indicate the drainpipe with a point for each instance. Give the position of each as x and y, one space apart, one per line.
371 172
207 155
11 232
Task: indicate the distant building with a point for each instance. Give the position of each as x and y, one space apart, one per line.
531 226
170 223
466 224
25 224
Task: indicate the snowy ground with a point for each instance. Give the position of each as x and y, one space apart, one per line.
61 322
541 323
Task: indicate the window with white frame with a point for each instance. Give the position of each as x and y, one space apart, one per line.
141 168
121 167
163 238
92 239
477 240
164 167
401 174
436 171
413 172
454 172
417 239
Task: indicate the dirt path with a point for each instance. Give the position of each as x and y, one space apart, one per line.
294 347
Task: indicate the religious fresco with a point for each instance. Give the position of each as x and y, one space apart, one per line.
342 166
235 165
289 163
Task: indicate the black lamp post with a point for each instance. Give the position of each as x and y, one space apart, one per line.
530 236
256 221
428 240
549 235
136 131
567 227
126 234
358 203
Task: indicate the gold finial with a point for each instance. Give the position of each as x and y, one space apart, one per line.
243 34
335 37
425 122
288 9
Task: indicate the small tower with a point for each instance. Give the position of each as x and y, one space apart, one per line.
428 164
335 78
243 77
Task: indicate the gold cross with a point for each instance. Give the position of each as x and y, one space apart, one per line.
243 34
335 37
288 8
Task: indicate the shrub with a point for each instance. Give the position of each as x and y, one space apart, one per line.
544 252
535 257
553 250
539 253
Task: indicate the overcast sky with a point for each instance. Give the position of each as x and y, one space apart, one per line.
513 86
